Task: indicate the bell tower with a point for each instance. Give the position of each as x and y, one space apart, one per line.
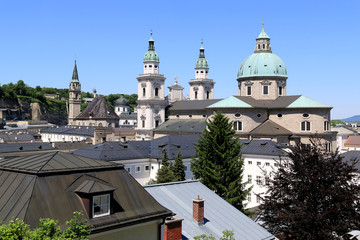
74 96
201 88
151 95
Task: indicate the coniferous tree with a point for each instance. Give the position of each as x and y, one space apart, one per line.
218 164
164 174
179 168
314 195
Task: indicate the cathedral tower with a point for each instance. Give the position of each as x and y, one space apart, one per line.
151 95
201 87
74 96
263 74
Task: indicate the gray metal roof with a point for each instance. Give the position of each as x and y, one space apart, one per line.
30 196
17 137
269 128
176 126
53 162
24 147
71 130
352 157
219 214
192 105
261 147
98 109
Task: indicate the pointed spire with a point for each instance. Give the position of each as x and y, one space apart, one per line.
151 42
202 50
75 77
263 34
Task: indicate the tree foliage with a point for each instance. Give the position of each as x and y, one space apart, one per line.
227 235
334 123
48 229
179 168
312 196
218 164
165 174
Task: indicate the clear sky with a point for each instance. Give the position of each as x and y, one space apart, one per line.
317 40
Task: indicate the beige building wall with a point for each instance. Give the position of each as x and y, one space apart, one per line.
257 88
250 118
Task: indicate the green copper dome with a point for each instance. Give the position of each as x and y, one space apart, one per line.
202 62
262 64
151 55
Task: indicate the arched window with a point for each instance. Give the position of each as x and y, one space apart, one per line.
305 126
156 123
156 92
258 46
263 46
238 126
144 92
280 91
207 95
196 94
100 124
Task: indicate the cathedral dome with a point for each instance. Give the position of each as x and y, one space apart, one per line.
121 101
262 64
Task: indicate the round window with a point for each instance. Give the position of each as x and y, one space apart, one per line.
155 66
305 115
279 115
237 115
145 66
190 116
204 116
259 115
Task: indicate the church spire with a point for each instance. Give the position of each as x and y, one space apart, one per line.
75 77
263 41
151 43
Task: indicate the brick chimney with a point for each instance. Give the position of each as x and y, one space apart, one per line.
173 228
198 210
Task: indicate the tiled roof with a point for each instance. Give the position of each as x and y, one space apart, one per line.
98 109
219 214
352 141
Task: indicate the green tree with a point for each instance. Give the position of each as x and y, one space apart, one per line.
179 168
164 174
312 196
218 163
227 235
334 123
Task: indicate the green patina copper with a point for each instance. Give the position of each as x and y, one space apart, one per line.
202 62
263 34
151 55
305 102
262 64
230 102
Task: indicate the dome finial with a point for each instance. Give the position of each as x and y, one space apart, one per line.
263 22
176 81
150 32
202 41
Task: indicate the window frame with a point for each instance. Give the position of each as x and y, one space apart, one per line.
248 91
305 126
101 204
238 126
267 90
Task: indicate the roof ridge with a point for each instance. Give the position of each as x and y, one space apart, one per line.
53 154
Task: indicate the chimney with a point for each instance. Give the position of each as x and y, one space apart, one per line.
173 228
198 210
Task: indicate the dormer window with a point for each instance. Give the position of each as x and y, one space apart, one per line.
101 205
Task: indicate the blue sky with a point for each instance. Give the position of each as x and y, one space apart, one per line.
317 40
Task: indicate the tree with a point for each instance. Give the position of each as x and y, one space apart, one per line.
179 168
48 229
312 196
227 235
218 164
334 123
164 174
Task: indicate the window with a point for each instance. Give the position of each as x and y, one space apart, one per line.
249 197
238 126
147 168
249 162
267 164
305 126
249 90
237 115
202 71
328 146
267 181
177 116
137 169
150 66
249 179
128 169
144 93
305 115
279 115
156 123
156 92
190 116
266 90
280 91
143 123
207 95
276 164
258 46
101 205
258 180
263 46
185 168
326 126
258 163
259 115
155 66
258 199
196 94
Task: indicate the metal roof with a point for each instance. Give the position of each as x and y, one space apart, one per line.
192 105
24 147
17 137
305 102
352 157
182 126
98 109
30 197
269 128
71 130
52 163
219 214
261 147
